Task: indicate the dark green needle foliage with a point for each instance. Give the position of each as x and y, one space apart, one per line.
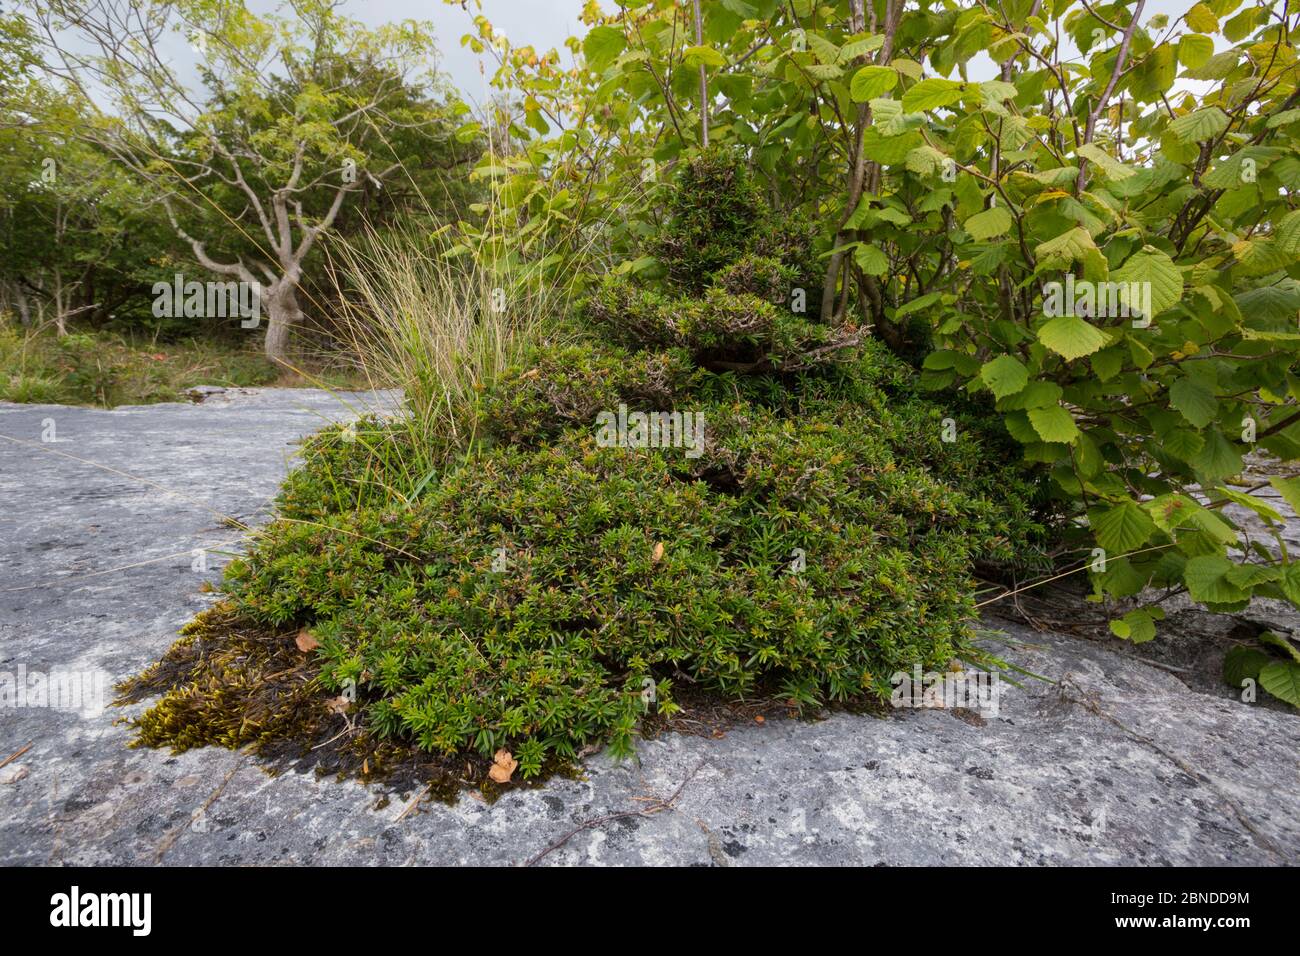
532 594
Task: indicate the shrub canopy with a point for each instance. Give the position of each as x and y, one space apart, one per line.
817 538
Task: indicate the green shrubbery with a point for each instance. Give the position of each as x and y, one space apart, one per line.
546 590
103 369
961 163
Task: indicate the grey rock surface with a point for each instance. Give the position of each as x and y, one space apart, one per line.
1120 762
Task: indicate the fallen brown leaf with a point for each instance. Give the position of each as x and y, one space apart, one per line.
503 765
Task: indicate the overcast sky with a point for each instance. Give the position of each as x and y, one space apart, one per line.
541 23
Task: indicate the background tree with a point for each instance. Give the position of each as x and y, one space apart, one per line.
76 232
290 121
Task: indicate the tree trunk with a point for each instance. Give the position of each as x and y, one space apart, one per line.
282 315
704 81
60 309
857 173
24 306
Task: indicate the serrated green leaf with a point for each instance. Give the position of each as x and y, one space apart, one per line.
856 48
1108 363
871 260
925 160
1287 235
1120 579
1112 167
823 71
1018 427
1242 664
1071 337
1065 249
1123 528
1259 256
1219 459
602 45
1005 375
909 68
991 222
1158 275
1202 19
1282 680
1271 303
1087 457
1054 424
1216 67
1284 118
1034 395
1183 443
892 215
1255 335
1254 504
822 48
1142 356
995 92
871 82
695 55
1239 27
1060 176
1198 126
1207 581
888 150
1194 49
1194 400
1290 582
932 94
1136 626
1233 171
917 304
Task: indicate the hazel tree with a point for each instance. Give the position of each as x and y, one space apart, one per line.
970 165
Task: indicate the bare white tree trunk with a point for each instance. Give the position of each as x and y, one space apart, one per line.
60 307
857 179
283 315
704 81
24 305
